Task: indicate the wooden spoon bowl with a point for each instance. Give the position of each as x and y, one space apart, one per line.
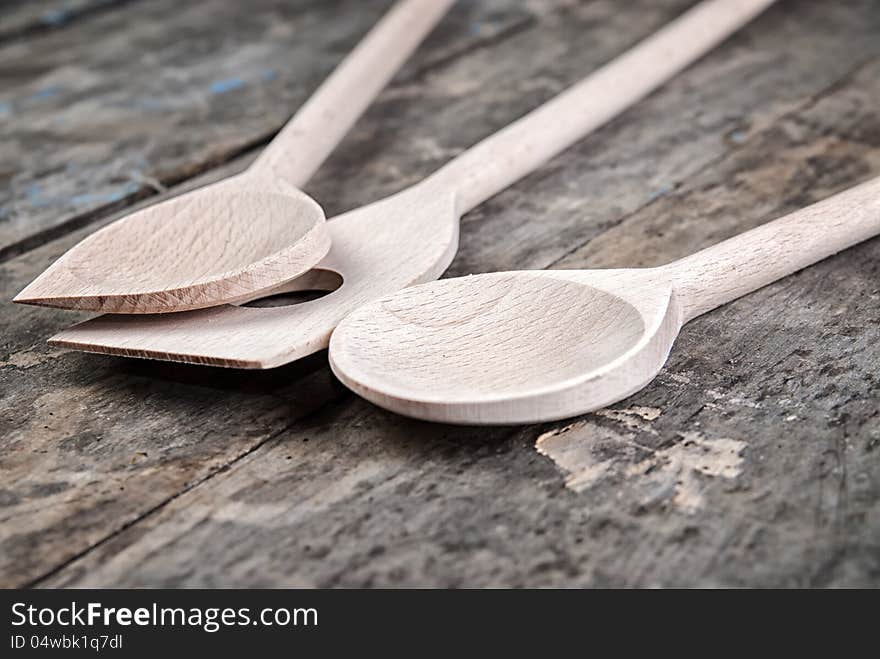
510 347
189 251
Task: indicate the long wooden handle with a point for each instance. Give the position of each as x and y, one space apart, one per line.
309 137
740 265
496 162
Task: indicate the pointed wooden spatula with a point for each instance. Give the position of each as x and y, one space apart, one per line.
234 239
525 347
412 236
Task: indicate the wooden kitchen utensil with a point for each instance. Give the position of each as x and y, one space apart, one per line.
237 238
411 237
524 347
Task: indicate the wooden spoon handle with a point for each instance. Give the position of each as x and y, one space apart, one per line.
724 272
496 162
313 132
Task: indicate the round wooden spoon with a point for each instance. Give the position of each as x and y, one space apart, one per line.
523 347
237 238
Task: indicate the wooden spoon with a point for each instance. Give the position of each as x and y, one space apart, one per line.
523 347
412 236
236 238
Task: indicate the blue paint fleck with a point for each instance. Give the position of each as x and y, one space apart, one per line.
83 199
662 191
268 75
105 197
95 198
738 136
47 92
35 196
55 16
226 85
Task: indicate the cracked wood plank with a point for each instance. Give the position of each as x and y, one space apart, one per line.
280 478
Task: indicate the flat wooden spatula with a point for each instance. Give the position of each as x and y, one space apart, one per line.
237 238
412 236
524 347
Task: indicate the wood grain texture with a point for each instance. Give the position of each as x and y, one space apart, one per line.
513 152
121 104
341 99
412 236
21 19
239 238
741 264
534 346
282 478
218 244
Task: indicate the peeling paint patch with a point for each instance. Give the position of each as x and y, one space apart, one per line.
678 466
633 417
589 453
27 359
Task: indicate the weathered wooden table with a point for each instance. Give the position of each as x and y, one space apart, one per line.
753 460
